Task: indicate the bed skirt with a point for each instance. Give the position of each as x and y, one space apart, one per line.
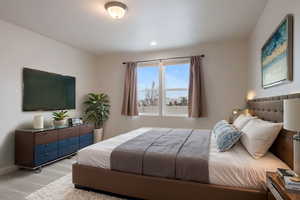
154 188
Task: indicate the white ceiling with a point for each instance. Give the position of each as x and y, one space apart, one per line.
172 23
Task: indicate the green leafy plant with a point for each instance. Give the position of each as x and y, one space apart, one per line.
61 115
97 110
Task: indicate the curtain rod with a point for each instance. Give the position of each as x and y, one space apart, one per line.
140 61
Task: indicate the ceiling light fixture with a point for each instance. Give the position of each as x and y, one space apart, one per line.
153 43
116 9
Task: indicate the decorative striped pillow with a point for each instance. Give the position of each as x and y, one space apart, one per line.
219 125
226 135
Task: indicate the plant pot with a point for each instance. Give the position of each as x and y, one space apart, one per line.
60 123
98 135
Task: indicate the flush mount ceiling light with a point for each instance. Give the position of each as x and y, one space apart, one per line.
153 43
116 9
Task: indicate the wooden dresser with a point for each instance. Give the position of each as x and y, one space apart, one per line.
35 148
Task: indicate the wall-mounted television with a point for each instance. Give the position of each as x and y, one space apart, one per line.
44 91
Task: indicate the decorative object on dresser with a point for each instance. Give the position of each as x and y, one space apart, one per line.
38 122
75 121
277 55
60 118
292 123
36 148
97 112
277 188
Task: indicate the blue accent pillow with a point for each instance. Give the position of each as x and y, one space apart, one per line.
226 135
219 125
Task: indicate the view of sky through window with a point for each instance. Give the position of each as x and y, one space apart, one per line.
175 91
148 89
147 76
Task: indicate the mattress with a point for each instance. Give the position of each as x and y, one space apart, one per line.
232 168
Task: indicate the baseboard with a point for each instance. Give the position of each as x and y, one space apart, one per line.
8 169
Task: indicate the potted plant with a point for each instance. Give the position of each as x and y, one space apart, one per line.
97 112
60 118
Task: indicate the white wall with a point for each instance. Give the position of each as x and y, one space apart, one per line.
224 74
271 17
22 48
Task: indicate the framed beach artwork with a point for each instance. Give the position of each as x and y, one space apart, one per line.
277 55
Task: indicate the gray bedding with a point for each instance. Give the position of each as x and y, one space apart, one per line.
168 153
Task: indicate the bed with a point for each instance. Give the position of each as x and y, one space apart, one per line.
232 175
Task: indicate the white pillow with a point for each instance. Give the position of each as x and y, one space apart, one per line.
242 120
258 136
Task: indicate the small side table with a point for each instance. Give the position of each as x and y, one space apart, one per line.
276 187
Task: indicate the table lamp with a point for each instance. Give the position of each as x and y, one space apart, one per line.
291 121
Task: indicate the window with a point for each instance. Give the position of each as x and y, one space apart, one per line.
163 88
148 90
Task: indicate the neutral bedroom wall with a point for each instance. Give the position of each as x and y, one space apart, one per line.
224 75
22 48
271 17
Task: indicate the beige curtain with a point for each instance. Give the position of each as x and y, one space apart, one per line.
194 101
129 107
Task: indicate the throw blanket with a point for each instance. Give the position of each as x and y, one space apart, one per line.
168 153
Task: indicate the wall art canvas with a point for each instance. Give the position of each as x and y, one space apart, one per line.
277 55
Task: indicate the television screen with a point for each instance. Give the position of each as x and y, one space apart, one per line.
47 91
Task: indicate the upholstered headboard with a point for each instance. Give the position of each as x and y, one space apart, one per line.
271 109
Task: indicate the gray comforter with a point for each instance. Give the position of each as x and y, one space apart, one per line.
168 153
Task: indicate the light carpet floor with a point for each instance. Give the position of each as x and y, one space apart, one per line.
63 189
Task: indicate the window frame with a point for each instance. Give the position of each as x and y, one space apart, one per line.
162 90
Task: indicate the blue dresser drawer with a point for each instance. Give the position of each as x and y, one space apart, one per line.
74 148
62 150
41 159
74 140
42 148
45 153
85 140
68 146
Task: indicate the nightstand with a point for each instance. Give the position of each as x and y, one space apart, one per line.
276 187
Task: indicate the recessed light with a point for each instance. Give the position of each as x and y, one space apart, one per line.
116 9
153 43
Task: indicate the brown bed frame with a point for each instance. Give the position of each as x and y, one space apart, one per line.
145 187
